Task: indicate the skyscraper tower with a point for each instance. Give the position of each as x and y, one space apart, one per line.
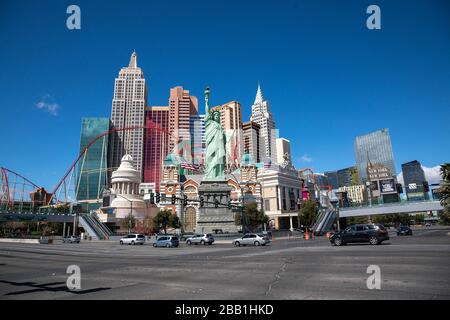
128 110
231 122
374 147
181 105
261 115
198 138
156 143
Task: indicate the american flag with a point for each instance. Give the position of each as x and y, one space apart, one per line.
268 165
190 166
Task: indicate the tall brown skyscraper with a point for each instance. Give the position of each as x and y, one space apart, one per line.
181 106
231 121
252 141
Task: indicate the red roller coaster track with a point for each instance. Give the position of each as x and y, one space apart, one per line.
149 125
5 184
4 171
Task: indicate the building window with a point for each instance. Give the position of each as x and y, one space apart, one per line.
267 205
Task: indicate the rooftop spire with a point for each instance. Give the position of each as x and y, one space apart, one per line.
133 60
259 96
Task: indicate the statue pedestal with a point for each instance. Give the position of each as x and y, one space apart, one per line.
211 218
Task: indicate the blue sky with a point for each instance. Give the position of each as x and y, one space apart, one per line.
327 77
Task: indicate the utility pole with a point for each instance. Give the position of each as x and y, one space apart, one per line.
369 192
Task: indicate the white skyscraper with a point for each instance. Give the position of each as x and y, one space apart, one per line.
283 150
261 115
128 110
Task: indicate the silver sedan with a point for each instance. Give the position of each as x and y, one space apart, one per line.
254 239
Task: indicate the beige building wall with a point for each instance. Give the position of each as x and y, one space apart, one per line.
283 147
231 122
357 194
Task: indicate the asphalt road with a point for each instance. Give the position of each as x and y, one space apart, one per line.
412 267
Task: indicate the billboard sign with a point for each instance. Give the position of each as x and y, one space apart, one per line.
374 185
412 186
387 185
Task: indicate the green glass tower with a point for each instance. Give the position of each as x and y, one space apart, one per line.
92 167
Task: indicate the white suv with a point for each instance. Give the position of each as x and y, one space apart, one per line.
133 239
205 238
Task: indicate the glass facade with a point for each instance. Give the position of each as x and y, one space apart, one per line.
375 147
343 178
346 177
414 178
332 179
92 167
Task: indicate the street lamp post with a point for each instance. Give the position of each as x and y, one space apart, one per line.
242 207
131 211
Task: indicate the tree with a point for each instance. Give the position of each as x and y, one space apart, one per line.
129 222
148 225
165 219
253 217
444 191
308 212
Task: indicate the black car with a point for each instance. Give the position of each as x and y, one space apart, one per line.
404 231
372 233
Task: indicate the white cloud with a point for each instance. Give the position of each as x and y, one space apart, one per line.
47 105
306 158
432 175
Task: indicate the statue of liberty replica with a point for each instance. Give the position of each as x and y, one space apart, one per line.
214 216
215 143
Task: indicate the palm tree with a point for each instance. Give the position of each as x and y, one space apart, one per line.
444 191
445 172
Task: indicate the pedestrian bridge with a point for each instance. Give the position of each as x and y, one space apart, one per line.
390 208
30 216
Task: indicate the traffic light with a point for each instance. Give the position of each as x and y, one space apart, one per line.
158 197
216 203
174 199
185 200
399 188
202 201
152 198
426 187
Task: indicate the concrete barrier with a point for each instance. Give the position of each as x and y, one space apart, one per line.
12 240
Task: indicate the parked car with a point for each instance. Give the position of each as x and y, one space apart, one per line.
427 224
404 231
255 239
71 239
203 239
372 233
167 241
133 239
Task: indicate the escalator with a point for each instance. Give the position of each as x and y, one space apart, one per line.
324 222
96 229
